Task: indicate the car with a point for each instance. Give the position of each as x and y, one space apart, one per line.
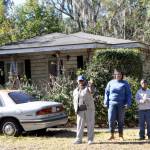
21 112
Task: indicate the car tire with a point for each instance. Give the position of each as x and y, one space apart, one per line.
11 127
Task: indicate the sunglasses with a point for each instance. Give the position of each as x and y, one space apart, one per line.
81 80
117 74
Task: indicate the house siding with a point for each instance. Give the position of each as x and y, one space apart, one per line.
39 67
39 61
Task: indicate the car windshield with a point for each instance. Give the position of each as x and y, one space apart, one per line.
21 97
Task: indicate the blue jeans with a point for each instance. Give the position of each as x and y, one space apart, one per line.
144 117
116 113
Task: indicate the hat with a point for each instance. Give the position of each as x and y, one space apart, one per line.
80 78
143 81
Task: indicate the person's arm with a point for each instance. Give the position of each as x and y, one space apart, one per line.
139 99
106 96
146 97
90 87
75 102
93 91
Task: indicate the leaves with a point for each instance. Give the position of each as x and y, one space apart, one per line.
100 69
29 20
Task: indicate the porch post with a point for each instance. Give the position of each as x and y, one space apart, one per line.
58 63
88 54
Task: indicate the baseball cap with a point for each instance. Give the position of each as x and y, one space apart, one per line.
81 77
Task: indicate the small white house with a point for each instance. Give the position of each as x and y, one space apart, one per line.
59 53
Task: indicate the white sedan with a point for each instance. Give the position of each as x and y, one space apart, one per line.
21 112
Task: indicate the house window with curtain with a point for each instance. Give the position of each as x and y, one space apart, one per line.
16 67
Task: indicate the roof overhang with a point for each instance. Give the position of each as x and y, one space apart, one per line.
70 48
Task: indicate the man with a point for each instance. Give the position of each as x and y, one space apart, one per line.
117 97
84 108
143 100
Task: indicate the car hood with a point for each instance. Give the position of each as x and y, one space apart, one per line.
37 104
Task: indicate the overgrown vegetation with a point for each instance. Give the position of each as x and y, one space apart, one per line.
100 69
58 89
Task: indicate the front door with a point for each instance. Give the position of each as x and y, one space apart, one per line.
2 76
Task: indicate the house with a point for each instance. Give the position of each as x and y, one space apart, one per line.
59 53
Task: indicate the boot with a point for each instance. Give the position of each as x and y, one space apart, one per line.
111 137
121 136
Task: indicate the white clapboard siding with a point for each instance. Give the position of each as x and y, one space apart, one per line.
39 67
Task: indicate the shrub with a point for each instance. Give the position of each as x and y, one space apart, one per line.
59 89
62 91
100 69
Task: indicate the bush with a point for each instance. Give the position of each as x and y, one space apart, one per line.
131 119
62 91
100 69
59 89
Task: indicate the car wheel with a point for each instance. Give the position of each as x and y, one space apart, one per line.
10 127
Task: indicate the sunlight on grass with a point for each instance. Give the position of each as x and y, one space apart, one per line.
63 140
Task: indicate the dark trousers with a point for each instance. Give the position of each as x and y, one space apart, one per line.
116 113
144 117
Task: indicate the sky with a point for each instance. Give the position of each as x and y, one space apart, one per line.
18 2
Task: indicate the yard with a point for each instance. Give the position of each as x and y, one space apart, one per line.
62 139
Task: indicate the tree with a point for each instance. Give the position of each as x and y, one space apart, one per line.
6 24
33 19
118 18
82 12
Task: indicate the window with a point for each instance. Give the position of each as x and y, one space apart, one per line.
52 65
14 67
28 68
2 75
21 97
1 102
80 62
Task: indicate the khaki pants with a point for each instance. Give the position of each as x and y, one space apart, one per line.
89 117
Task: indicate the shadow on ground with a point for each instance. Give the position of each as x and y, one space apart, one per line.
54 132
126 142
51 133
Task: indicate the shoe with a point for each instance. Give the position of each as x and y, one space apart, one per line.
90 142
121 138
112 137
142 138
77 142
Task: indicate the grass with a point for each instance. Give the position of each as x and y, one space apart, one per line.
62 139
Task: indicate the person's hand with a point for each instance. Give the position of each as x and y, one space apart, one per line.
126 106
142 101
148 99
144 98
105 106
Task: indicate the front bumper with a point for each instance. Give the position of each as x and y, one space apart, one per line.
30 125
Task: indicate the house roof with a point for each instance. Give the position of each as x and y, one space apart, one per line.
61 42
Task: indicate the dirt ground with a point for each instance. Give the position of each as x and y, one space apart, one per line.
62 139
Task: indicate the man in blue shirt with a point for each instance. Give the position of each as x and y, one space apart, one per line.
117 97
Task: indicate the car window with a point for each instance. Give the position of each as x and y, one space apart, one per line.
21 97
1 102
